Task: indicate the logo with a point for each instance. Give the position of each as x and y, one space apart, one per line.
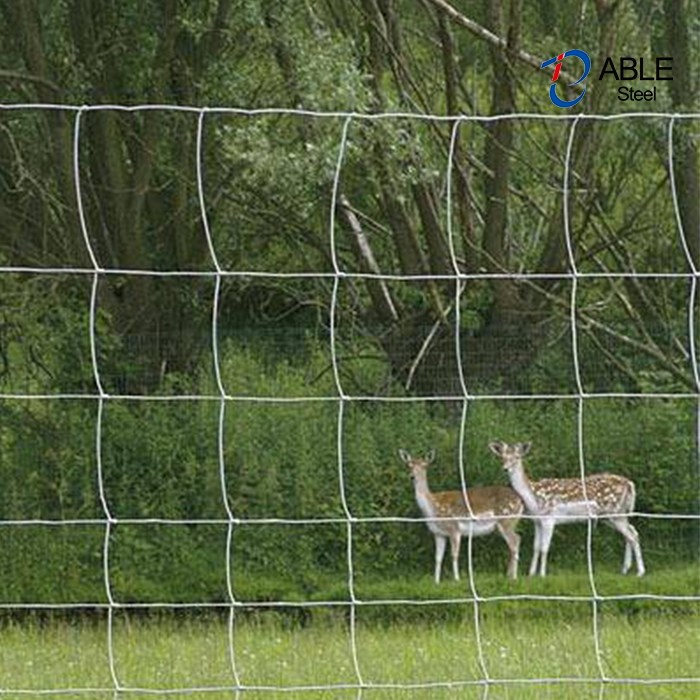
629 72
553 87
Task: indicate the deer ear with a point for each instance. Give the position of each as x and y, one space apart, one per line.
430 457
525 448
496 447
405 457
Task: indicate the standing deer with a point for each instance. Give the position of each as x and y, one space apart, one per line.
492 508
606 496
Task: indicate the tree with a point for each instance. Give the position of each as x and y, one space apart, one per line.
268 179
136 169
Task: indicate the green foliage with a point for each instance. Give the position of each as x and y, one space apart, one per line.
160 460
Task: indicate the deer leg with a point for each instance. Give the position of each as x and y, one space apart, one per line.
627 563
637 549
440 543
617 524
455 542
629 532
633 543
512 538
536 548
545 542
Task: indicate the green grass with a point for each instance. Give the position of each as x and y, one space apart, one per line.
663 579
669 580
532 635
169 652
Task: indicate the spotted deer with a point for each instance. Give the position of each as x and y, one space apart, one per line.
608 497
493 508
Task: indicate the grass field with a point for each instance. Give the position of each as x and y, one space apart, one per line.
396 645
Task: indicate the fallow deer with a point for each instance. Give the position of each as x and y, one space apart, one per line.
608 497
493 508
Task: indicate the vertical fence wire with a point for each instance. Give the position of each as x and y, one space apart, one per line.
221 440
337 275
457 329
100 405
692 301
692 296
580 404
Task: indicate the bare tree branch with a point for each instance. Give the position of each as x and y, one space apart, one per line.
18 76
377 288
498 42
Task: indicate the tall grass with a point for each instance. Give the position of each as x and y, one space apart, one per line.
170 653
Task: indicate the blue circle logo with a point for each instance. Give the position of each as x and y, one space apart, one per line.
553 87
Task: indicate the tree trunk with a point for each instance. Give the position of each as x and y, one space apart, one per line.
686 156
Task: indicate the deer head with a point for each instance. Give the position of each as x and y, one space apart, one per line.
417 465
512 455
